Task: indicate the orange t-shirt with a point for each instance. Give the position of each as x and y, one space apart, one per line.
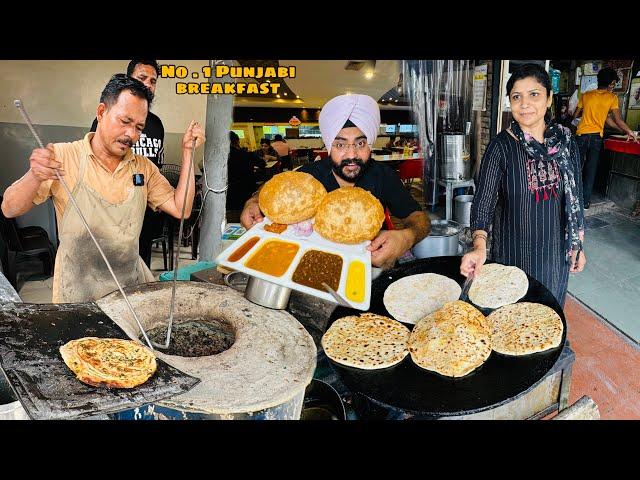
595 106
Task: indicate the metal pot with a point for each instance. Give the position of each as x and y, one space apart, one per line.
455 160
259 291
442 241
322 402
462 213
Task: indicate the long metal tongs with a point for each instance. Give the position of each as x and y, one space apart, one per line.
18 104
464 294
177 254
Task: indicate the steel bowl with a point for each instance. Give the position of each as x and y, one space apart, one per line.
267 294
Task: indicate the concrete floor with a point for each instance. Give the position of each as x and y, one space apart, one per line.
610 282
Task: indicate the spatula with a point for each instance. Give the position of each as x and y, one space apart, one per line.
338 298
464 294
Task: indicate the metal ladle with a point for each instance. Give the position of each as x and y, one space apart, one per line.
177 255
18 104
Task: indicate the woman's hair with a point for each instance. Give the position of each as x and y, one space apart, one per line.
530 70
277 138
265 141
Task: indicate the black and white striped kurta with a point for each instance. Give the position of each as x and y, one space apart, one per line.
528 233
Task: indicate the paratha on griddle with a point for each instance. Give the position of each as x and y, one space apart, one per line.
453 341
367 341
109 362
414 297
497 285
524 328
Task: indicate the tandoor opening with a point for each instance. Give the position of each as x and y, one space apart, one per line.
195 337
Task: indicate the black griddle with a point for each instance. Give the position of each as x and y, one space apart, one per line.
30 336
424 393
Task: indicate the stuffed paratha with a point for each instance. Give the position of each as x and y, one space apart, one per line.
109 362
524 328
414 297
497 285
452 341
367 341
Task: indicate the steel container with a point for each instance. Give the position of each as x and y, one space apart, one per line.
462 211
267 294
443 240
455 160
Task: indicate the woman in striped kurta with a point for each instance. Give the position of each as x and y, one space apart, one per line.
530 192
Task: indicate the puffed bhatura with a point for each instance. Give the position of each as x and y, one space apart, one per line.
349 215
291 197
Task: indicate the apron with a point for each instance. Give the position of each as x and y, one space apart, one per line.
81 272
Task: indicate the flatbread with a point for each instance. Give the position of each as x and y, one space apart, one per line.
414 297
498 285
109 362
349 215
524 328
452 341
367 341
291 197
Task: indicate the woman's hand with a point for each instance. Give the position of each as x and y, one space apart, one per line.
472 262
579 265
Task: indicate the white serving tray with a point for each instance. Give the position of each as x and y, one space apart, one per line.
348 253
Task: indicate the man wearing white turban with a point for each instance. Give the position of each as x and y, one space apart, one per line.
353 121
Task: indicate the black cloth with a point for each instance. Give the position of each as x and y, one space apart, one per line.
590 147
151 141
241 178
379 179
521 200
150 145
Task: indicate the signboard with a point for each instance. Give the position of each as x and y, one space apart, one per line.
479 88
294 121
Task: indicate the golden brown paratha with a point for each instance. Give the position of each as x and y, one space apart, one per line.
412 298
291 197
109 362
367 341
524 328
349 215
452 341
497 285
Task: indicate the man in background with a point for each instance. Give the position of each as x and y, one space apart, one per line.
241 178
595 106
283 150
150 145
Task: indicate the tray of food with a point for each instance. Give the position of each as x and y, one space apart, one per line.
309 238
302 263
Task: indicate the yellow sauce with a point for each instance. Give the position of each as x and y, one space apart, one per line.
355 282
273 257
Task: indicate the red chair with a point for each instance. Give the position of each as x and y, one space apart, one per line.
410 169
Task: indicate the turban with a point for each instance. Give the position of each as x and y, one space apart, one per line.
361 110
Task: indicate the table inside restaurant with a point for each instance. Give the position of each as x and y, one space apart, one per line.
396 157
